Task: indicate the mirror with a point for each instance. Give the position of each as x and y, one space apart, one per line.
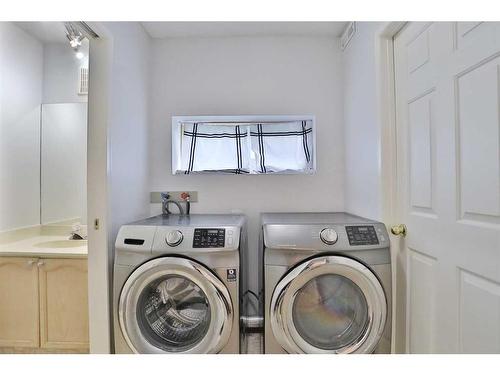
243 145
63 135
43 125
64 163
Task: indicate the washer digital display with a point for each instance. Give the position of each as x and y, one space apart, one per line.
208 237
362 235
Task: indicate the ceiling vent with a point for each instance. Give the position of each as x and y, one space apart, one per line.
83 85
347 35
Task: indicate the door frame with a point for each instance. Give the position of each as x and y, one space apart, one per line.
386 96
99 256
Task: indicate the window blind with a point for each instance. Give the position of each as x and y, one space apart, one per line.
244 148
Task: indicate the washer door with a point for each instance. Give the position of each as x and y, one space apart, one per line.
175 305
329 304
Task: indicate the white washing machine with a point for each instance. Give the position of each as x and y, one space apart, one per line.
327 284
176 284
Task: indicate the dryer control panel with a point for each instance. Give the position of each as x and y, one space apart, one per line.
209 237
359 235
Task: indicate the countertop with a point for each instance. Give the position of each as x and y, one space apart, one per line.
42 242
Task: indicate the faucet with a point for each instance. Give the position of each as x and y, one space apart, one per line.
76 233
184 198
165 201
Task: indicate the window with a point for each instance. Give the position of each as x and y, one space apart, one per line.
243 145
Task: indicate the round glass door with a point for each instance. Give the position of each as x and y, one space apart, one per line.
175 305
330 312
329 304
173 313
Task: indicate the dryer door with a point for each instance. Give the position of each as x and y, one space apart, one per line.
175 305
329 304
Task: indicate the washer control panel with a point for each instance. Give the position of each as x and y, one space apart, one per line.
359 235
209 237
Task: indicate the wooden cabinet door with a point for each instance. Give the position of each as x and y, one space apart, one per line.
64 320
19 319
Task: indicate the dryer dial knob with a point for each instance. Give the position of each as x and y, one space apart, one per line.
174 238
328 236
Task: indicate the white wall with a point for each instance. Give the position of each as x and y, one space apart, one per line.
61 73
363 130
238 76
129 118
118 157
21 71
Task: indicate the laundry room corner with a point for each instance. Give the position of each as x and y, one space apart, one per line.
370 139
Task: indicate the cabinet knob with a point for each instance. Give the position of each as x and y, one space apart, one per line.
31 262
40 263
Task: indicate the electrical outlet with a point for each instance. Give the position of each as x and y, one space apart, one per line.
174 195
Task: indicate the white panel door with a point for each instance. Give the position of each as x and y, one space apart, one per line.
447 99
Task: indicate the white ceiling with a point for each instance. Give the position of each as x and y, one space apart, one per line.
46 32
221 29
54 32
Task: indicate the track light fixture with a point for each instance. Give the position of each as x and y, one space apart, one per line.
74 36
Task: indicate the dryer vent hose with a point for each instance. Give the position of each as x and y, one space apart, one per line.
252 323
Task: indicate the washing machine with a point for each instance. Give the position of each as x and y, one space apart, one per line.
176 284
327 284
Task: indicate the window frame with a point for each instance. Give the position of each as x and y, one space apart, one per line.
178 120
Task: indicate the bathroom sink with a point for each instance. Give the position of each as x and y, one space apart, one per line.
61 244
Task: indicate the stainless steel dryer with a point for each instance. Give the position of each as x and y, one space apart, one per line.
176 284
327 284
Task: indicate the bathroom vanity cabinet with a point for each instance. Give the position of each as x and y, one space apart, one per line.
44 304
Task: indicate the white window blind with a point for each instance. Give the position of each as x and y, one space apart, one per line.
244 147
